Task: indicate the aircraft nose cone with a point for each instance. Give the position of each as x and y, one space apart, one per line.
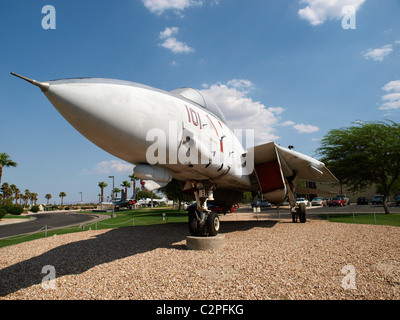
108 114
115 115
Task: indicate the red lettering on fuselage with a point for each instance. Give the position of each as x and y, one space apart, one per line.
193 117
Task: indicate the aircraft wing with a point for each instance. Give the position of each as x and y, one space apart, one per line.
278 169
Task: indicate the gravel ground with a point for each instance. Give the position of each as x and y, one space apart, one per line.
262 260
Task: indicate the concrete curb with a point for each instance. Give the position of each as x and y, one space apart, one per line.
205 243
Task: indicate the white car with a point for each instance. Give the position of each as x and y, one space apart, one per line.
301 200
317 202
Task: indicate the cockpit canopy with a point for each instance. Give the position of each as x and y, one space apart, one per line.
202 99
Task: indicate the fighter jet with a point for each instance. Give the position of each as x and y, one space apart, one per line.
181 135
122 202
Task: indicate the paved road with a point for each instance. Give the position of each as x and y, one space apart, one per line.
54 220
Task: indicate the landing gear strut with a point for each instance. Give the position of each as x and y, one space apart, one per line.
202 221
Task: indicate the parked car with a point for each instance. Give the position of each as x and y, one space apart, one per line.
219 209
261 204
398 200
362 200
346 198
301 200
377 199
337 201
317 202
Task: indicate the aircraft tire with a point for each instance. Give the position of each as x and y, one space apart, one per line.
213 224
302 213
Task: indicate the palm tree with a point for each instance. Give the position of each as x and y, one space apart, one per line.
62 195
7 191
5 161
48 197
15 191
126 185
134 178
116 190
102 185
26 196
34 198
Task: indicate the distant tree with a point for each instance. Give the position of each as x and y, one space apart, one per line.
115 192
134 179
173 190
48 197
126 185
62 195
26 196
34 198
5 161
365 154
16 192
102 185
6 190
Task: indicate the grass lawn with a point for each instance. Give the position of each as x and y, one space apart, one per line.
13 216
379 219
138 217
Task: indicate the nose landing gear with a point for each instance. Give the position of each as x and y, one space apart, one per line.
202 221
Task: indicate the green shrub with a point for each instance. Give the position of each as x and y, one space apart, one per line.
15 209
35 209
3 212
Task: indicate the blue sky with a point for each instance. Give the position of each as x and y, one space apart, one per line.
287 69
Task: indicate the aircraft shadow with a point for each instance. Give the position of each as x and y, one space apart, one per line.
77 257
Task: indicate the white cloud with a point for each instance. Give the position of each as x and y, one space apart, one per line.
108 167
169 32
318 11
392 86
242 112
171 43
241 84
159 6
305 128
380 53
288 123
391 101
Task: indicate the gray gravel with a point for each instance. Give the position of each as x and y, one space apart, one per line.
261 260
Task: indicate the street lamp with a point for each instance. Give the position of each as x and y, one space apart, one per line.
113 214
81 198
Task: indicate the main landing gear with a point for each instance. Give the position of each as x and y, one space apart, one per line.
202 221
299 213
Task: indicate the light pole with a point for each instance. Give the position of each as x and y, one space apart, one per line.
113 214
81 198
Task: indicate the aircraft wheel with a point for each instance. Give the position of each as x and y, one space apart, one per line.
213 224
302 213
193 226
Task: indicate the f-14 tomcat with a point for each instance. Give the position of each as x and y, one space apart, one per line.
181 134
